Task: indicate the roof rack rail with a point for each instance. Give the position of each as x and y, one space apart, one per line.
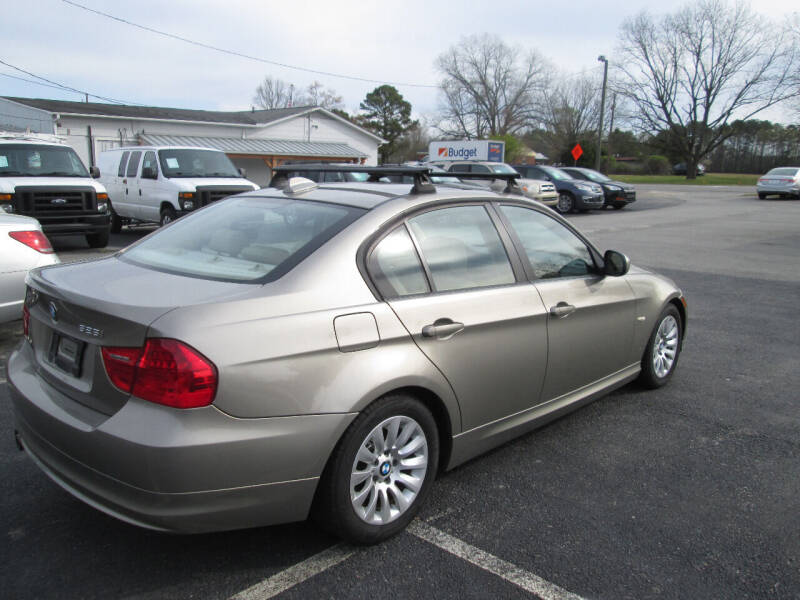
421 175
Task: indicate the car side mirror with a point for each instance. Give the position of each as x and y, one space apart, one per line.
615 263
94 172
242 173
149 173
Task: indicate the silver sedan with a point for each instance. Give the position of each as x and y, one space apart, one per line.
324 349
782 182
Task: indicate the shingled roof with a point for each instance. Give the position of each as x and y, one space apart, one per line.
245 117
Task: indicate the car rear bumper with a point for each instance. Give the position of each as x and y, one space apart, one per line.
183 471
777 189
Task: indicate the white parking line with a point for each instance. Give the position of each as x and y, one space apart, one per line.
280 582
497 566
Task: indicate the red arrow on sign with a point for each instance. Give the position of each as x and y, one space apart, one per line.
577 151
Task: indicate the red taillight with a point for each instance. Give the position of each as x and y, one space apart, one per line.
26 322
164 371
33 239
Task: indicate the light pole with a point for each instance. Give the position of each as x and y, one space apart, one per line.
603 60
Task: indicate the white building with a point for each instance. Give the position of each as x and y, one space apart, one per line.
255 140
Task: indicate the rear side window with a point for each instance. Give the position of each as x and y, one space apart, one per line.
243 239
133 164
123 162
395 266
461 248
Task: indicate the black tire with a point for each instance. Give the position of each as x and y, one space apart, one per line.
619 205
566 203
651 376
333 508
116 221
762 196
98 240
167 215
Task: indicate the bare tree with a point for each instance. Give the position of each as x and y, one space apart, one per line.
275 93
690 72
317 95
489 88
570 111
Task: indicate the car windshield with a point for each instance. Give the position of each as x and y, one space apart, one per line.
501 168
556 173
242 239
595 176
196 163
32 160
791 171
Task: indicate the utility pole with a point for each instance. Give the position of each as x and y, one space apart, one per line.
603 60
611 125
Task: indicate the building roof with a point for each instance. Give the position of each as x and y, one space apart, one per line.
267 147
245 117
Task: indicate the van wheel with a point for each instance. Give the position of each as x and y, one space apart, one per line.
167 215
116 221
98 240
380 472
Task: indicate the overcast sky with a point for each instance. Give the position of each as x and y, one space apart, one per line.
386 42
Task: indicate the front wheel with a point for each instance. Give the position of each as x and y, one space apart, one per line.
661 355
116 221
167 215
566 203
619 205
98 240
762 196
380 472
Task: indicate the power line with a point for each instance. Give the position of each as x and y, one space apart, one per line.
64 87
55 87
240 54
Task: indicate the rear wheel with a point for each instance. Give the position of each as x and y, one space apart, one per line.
566 203
167 215
380 472
98 240
761 196
661 355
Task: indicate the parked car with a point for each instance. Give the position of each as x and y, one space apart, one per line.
319 172
680 169
616 193
573 194
43 178
324 348
538 189
23 247
781 181
158 184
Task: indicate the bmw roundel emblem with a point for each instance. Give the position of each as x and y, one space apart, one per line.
385 468
53 311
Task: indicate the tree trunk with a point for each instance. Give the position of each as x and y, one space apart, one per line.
691 169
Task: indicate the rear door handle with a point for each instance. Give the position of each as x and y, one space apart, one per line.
561 310
442 329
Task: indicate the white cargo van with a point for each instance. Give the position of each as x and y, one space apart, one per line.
161 183
43 178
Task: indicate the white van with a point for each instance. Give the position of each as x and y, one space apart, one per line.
43 178
161 183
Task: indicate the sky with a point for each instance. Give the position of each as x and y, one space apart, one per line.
383 42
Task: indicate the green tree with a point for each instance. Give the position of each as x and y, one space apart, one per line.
388 114
514 147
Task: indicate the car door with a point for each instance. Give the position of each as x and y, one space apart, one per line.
131 181
149 189
591 316
449 279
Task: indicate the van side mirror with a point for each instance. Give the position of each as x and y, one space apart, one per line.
615 263
242 173
94 172
149 173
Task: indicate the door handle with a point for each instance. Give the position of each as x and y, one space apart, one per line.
442 329
561 310
140 192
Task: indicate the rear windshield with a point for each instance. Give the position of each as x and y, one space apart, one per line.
196 163
784 171
242 239
31 160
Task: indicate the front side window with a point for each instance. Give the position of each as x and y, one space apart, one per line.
395 266
552 249
242 239
461 248
149 160
188 162
33 160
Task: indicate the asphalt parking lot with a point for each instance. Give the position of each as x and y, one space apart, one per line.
690 491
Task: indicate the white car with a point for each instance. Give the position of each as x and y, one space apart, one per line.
781 182
23 246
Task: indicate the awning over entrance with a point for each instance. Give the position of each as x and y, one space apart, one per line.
261 147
